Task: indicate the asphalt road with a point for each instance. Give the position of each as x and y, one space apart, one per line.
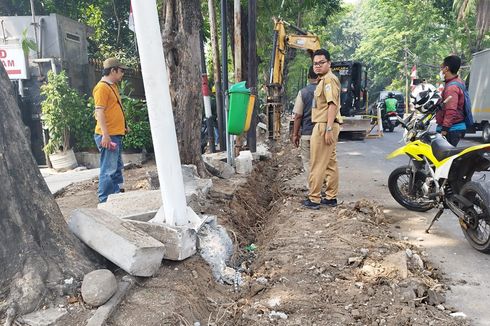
364 174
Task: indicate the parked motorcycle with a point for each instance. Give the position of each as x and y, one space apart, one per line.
439 175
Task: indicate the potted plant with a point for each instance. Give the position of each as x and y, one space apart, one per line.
62 111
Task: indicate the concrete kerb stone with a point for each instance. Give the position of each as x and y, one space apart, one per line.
45 317
216 163
244 163
105 311
135 204
180 242
119 241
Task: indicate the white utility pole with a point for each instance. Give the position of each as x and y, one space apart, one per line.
155 78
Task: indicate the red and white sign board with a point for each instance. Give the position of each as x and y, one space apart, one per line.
14 60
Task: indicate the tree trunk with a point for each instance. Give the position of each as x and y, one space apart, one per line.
37 251
482 22
182 22
217 75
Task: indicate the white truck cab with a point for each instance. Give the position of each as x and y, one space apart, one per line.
479 89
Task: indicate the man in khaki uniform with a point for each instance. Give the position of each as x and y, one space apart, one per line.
326 116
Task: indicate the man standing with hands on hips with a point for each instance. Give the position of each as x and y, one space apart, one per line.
110 128
326 117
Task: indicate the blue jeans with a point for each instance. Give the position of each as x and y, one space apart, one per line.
111 165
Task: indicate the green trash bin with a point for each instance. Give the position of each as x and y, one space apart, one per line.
237 115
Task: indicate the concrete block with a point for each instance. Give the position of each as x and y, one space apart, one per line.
263 152
219 156
144 203
119 241
133 204
243 163
180 242
216 163
46 317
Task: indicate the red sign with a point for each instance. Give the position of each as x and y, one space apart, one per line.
13 59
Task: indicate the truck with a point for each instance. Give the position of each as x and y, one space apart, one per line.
479 88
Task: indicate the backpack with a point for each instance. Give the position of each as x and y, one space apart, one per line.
468 116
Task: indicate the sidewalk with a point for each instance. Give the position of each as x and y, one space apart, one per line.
58 180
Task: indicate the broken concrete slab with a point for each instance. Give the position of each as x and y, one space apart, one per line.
216 164
180 242
192 181
133 204
105 311
243 163
45 317
263 152
218 156
125 245
225 189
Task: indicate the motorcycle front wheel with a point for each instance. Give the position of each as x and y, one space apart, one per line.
399 185
477 231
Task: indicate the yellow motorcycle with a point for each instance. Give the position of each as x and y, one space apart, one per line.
440 175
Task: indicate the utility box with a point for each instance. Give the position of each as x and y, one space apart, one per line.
61 45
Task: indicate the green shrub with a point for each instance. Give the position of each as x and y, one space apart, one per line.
62 110
84 135
136 113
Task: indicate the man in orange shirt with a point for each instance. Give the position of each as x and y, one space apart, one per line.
110 128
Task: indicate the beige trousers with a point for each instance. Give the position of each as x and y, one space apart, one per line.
323 163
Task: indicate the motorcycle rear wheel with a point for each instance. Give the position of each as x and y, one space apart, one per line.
477 232
399 182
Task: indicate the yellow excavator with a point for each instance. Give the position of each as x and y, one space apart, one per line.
275 92
274 101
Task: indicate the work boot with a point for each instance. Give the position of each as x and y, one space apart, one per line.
329 202
311 205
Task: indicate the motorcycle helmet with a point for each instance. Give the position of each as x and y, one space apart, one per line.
425 97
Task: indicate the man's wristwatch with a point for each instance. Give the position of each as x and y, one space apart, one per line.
329 128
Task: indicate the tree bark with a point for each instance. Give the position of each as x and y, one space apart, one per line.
482 22
217 75
182 22
37 251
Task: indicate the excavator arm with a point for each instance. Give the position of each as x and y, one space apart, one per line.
304 41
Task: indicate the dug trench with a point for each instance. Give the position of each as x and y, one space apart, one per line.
335 266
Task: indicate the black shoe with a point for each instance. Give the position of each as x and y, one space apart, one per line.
311 205
329 202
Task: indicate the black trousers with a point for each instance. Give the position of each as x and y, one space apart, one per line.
453 137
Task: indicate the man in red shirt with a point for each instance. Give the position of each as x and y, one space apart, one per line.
450 120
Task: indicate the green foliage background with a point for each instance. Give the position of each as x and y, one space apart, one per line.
389 37
63 112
